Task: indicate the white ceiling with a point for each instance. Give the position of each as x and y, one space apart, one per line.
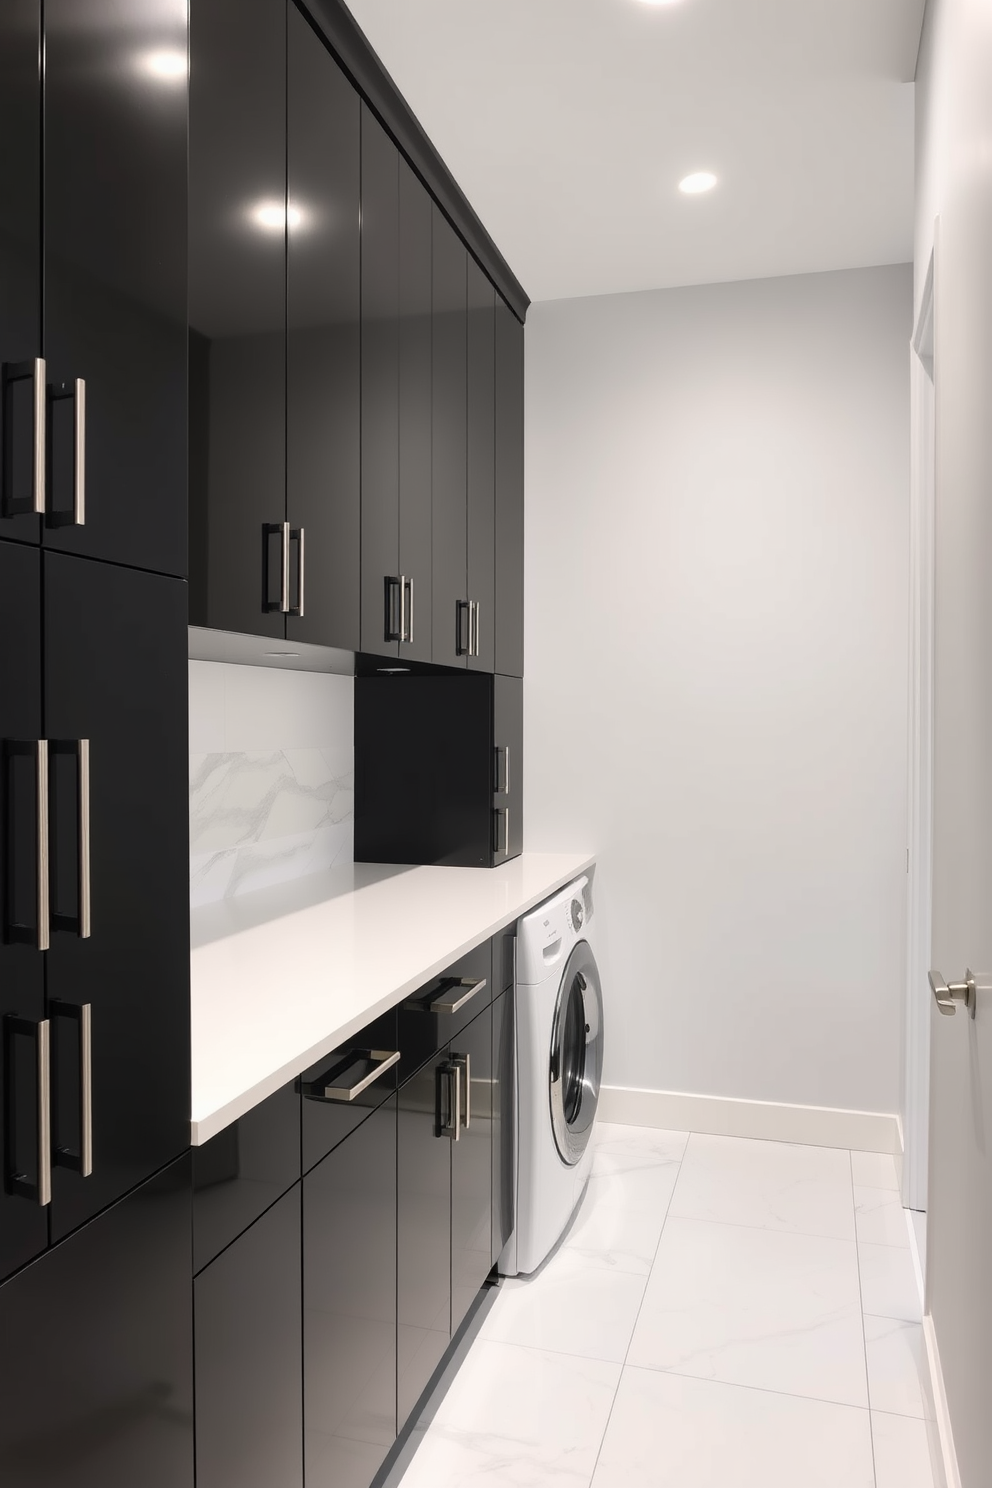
569 123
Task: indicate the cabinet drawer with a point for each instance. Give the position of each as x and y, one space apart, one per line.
424 1025
244 1169
330 1111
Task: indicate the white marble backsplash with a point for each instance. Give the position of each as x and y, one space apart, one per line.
271 777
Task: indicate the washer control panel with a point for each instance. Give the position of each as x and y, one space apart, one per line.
547 933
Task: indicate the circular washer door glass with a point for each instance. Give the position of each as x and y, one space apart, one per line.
576 1067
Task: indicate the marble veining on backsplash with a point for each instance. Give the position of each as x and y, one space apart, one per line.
259 818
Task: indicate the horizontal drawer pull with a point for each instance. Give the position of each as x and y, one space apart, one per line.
450 997
323 1089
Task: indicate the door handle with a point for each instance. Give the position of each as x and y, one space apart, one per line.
502 752
464 1062
477 606
948 995
80 1162
406 610
502 815
81 921
35 371
395 595
281 530
450 997
297 535
323 1089
448 1124
61 392
41 1189
463 635
16 929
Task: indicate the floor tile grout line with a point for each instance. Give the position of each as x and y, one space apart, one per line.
647 1282
705 1379
864 1334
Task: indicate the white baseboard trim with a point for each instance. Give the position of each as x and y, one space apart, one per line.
721 1116
945 1461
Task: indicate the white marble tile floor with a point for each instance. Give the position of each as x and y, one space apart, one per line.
722 1313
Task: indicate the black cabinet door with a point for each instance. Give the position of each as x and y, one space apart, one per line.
509 492
237 315
116 681
20 263
503 1122
423 1233
249 1385
115 278
481 512
380 390
23 1215
415 560
508 740
349 1306
471 1166
323 347
451 638
96 1368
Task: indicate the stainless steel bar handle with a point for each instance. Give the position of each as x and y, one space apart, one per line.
455 1075
40 433
463 608
502 753
401 581
44 896
478 618
454 995
284 570
408 635
79 473
321 1089
300 534
464 1062
85 1090
44 1178
503 820
85 878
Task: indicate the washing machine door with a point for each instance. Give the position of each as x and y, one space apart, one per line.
576 1067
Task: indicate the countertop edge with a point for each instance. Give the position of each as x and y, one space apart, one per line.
204 1128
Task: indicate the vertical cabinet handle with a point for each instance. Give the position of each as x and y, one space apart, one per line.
79 923
40 1189
463 1062
401 585
80 1162
297 535
395 628
447 1119
16 928
463 634
502 785
76 390
407 623
282 531
502 815
35 371
478 615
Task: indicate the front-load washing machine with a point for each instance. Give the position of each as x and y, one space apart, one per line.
558 1005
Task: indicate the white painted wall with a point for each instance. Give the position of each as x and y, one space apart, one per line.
715 693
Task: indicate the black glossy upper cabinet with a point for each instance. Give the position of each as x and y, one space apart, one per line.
509 492
21 476
382 595
114 178
323 347
118 964
454 618
237 315
415 557
481 512
23 1218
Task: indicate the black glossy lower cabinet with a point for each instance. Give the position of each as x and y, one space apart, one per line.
423 1257
249 1392
471 1166
349 1306
96 1386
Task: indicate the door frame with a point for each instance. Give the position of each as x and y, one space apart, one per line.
919 861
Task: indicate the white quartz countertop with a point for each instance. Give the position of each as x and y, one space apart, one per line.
282 976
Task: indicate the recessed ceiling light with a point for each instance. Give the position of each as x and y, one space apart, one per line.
660 2
273 216
168 64
697 183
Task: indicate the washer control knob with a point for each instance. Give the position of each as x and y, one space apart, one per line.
578 914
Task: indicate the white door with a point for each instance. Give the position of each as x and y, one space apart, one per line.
959 1239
